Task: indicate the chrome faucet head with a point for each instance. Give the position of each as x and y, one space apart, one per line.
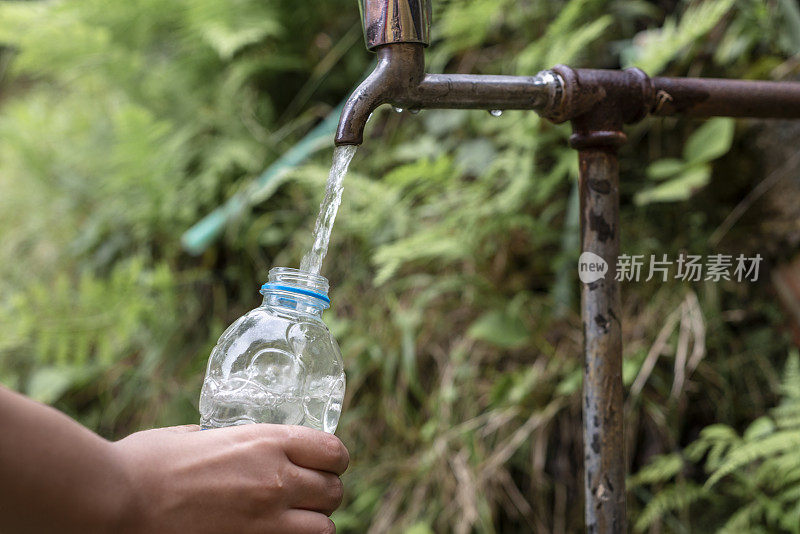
395 21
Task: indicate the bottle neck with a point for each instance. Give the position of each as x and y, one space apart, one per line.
295 291
293 304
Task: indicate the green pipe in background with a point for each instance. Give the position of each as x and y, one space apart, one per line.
200 236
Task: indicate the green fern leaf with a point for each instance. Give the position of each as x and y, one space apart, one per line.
659 469
746 453
669 500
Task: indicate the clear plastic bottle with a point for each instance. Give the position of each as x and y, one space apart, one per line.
278 363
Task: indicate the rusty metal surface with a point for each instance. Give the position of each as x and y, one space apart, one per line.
598 103
613 97
563 94
396 21
399 79
634 94
708 97
604 456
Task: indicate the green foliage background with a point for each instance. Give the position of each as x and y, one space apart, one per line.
452 261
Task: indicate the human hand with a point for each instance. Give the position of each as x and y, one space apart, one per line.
272 479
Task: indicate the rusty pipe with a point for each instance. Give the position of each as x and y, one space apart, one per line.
560 94
603 441
710 97
633 95
399 79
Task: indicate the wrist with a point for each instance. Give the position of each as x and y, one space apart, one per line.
127 516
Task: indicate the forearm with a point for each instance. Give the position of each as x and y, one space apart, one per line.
55 475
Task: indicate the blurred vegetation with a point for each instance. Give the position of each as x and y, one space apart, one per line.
755 478
454 291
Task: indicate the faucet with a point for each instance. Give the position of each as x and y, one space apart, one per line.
398 32
594 100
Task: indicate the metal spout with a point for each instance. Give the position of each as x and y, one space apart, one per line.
398 30
395 21
399 79
399 70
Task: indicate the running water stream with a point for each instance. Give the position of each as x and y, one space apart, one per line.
342 156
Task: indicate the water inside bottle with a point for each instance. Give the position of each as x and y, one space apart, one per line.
278 363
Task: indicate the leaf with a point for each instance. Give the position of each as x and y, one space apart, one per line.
430 245
791 21
712 140
679 188
443 122
790 388
577 41
17 18
227 28
475 155
522 384
48 384
664 168
742 455
671 499
742 519
759 428
719 433
500 329
570 383
419 528
652 50
227 42
660 469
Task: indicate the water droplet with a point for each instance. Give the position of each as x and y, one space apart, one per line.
495 112
413 111
398 110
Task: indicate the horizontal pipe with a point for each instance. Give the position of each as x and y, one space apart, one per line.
399 79
711 97
560 94
468 91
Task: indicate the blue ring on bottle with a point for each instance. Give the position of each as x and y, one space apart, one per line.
298 290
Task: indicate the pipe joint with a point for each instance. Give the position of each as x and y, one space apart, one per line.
609 96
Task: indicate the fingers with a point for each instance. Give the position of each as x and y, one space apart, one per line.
317 491
305 522
314 449
303 446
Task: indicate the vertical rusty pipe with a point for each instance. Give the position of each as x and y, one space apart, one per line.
598 104
597 135
604 458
